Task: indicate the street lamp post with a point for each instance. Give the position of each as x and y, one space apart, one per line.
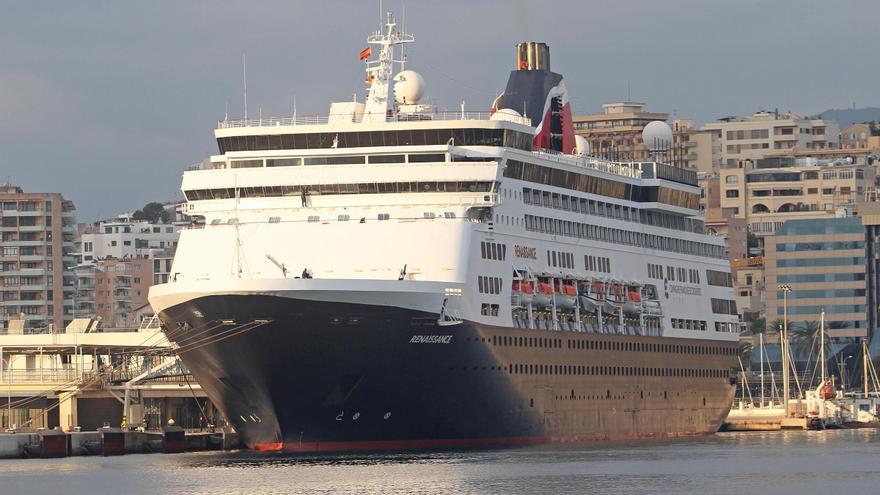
784 346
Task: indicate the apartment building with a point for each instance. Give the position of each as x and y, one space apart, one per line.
770 191
126 239
111 289
823 261
749 138
616 133
749 288
860 137
36 260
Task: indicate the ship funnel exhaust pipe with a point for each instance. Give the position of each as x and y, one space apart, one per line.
531 55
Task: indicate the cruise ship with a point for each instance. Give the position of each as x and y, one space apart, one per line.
393 276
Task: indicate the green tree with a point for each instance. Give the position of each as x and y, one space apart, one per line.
745 354
804 337
759 325
776 326
152 212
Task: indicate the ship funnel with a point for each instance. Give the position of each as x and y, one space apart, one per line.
531 55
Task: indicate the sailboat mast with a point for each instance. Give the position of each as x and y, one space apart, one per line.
865 365
761 348
822 344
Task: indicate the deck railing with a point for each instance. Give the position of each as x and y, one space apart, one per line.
391 117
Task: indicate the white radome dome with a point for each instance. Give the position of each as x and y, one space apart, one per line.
409 86
508 114
657 136
582 145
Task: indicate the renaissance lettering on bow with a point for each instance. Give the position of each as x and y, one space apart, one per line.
431 339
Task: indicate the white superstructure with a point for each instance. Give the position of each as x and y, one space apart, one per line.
452 214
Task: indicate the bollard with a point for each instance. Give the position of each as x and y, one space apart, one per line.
112 441
53 443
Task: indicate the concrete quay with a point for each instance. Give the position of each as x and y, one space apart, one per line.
112 441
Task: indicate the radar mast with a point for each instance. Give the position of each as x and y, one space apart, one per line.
379 71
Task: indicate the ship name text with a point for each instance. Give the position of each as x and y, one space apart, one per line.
525 252
431 339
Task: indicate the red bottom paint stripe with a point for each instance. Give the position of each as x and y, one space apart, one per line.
454 443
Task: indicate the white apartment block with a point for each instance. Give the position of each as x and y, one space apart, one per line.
749 138
128 239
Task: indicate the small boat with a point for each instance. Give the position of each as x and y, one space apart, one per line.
566 296
633 304
587 304
651 301
523 293
543 295
613 298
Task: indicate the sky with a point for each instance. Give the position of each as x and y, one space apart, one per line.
108 102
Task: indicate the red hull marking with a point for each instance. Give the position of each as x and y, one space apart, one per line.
456 443
266 447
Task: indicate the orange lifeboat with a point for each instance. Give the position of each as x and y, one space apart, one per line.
826 391
543 294
522 293
633 304
566 296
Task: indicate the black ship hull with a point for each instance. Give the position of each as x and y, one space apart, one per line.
299 375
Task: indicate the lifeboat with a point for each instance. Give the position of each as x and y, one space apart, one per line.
588 304
633 304
613 298
543 295
523 293
566 296
826 391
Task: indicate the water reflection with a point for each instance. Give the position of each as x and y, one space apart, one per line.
734 463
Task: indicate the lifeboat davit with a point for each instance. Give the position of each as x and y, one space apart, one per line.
523 293
543 295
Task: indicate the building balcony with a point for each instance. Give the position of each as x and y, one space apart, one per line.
27 272
20 302
35 287
24 243
23 213
32 257
31 228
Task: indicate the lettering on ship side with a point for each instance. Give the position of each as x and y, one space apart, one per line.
525 252
431 339
683 289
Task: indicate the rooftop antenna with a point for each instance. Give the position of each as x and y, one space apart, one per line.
294 108
244 76
226 111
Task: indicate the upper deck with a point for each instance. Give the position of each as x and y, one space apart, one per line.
331 119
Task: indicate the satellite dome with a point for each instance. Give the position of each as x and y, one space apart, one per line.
508 114
582 145
657 136
409 86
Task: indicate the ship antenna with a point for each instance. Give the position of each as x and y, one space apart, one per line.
379 71
244 77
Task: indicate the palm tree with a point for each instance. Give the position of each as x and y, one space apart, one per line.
777 325
745 354
805 337
759 325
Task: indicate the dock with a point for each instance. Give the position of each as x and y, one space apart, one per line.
111 441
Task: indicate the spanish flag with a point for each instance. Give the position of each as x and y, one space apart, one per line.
366 52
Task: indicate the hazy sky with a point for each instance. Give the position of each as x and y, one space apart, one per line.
107 102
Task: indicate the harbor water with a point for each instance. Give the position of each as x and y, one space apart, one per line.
797 462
